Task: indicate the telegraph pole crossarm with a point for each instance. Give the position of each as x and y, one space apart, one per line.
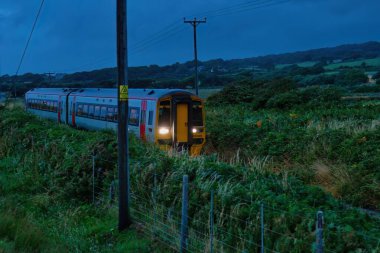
194 23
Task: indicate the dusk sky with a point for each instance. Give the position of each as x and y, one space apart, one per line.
77 35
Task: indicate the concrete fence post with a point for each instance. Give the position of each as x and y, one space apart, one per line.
93 179
262 227
185 206
319 232
212 221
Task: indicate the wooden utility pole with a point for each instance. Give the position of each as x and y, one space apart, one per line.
194 23
50 75
122 67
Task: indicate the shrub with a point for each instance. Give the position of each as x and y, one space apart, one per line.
256 93
351 77
367 88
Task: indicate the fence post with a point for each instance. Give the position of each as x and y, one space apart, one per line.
112 192
262 226
319 232
93 179
184 221
154 202
212 222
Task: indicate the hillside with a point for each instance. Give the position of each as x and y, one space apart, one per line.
214 73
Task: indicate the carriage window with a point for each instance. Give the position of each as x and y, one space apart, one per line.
164 114
80 110
55 106
150 119
116 114
51 106
91 111
103 113
110 113
97 111
85 110
197 114
134 113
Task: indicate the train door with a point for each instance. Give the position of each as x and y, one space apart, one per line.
59 108
182 127
71 109
63 103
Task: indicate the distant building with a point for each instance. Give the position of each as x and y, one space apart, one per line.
371 80
3 97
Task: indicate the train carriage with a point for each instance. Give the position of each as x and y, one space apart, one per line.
172 118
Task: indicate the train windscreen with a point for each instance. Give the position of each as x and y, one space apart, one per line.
164 114
197 113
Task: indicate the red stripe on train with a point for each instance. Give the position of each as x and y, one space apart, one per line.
143 120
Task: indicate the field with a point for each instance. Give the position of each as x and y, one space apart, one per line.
46 193
375 62
301 64
369 62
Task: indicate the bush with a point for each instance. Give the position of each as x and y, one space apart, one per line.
285 100
310 97
352 77
256 93
367 88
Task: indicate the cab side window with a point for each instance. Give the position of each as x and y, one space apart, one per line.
134 113
150 118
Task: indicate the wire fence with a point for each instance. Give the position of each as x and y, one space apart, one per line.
214 224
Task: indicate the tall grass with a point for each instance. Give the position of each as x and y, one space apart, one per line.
345 136
52 164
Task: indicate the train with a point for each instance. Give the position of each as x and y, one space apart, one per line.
171 118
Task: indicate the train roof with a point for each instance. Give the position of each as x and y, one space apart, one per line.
101 92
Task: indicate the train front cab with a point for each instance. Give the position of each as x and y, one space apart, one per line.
180 123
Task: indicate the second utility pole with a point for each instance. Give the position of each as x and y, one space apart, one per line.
194 23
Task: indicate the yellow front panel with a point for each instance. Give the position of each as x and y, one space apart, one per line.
182 125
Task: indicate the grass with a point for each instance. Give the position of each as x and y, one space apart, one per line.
45 188
306 64
344 137
38 211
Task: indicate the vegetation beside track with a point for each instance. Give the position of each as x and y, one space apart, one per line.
45 173
310 133
45 188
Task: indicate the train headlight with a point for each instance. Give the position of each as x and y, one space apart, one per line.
195 130
163 130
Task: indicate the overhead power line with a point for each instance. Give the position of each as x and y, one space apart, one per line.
174 28
257 6
30 37
247 6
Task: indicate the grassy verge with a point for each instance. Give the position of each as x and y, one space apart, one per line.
46 186
44 198
334 147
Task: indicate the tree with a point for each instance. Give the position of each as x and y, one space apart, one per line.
352 77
